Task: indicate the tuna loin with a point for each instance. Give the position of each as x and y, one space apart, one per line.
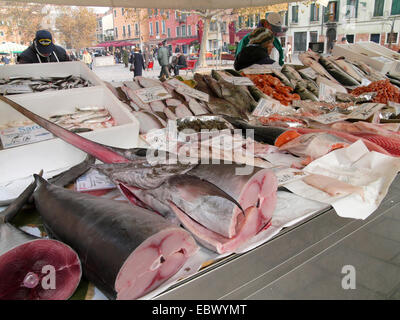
125 251
221 208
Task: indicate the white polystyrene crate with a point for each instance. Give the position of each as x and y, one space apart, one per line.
20 162
52 69
355 53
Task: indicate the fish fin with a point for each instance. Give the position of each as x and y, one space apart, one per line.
15 207
104 154
70 175
200 186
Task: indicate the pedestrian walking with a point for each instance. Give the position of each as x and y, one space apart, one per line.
288 52
87 59
125 57
137 63
163 59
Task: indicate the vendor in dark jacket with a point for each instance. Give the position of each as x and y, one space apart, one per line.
43 50
257 51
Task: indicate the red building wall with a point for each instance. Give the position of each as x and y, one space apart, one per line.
172 21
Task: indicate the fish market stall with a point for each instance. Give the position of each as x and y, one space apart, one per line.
267 182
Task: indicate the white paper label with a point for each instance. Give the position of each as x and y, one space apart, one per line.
185 89
266 107
13 137
152 94
366 110
327 93
330 117
238 81
395 105
288 175
365 82
93 180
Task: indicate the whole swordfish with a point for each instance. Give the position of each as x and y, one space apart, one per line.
220 209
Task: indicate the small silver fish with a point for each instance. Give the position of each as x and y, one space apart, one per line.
98 119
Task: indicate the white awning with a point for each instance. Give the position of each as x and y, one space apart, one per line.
164 4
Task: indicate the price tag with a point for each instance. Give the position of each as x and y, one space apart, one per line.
365 82
185 89
395 105
13 137
238 81
266 107
329 117
152 94
327 93
93 180
289 175
366 110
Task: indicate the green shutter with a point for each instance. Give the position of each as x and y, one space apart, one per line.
395 7
337 10
356 8
312 12
378 9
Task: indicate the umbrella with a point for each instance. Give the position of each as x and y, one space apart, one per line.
11 47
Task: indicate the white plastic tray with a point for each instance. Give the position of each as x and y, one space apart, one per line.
53 69
20 162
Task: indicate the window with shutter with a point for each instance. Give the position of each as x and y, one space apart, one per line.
295 14
378 9
395 7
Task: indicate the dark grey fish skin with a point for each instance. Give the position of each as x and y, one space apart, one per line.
141 174
304 93
103 232
337 73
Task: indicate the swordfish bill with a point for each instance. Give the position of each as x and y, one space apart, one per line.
99 151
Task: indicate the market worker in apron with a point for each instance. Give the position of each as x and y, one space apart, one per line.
274 23
257 51
43 50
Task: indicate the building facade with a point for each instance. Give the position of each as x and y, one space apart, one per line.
107 22
177 28
365 20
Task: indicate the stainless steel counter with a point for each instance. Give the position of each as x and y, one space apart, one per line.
306 261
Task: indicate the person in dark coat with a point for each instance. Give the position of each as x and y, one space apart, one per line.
43 50
257 51
181 63
138 63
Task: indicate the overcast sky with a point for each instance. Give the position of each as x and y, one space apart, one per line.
100 9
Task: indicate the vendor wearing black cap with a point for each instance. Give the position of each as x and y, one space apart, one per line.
43 50
274 23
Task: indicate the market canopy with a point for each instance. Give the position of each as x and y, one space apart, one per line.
183 41
161 4
11 47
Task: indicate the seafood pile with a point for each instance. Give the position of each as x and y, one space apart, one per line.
273 87
18 85
170 210
384 90
84 119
